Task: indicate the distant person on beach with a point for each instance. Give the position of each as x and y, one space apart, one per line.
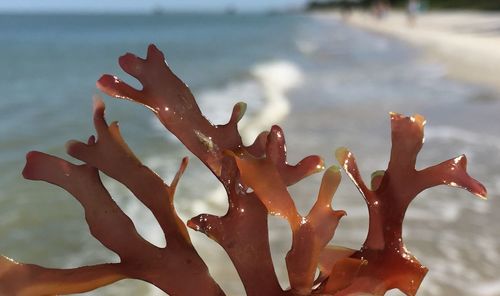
413 9
380 9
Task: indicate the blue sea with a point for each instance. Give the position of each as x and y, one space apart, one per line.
326 83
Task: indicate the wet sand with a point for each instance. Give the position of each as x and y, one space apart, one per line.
467 43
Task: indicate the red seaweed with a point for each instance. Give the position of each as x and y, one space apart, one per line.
389 264
255 178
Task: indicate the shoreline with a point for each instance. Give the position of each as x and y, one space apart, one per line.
467 43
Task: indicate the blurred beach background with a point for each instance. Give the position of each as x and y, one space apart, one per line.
329 75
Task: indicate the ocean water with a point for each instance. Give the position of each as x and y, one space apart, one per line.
326 83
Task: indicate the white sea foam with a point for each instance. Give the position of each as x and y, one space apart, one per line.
306 46
217 103
265 94
275 79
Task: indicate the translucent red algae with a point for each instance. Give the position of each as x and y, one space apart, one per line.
256 179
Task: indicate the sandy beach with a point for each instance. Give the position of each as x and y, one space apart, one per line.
466 42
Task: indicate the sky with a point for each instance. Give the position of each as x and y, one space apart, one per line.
142 5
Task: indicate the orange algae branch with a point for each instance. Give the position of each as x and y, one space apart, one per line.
256 178
139 259
389 264
243 231
310 233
